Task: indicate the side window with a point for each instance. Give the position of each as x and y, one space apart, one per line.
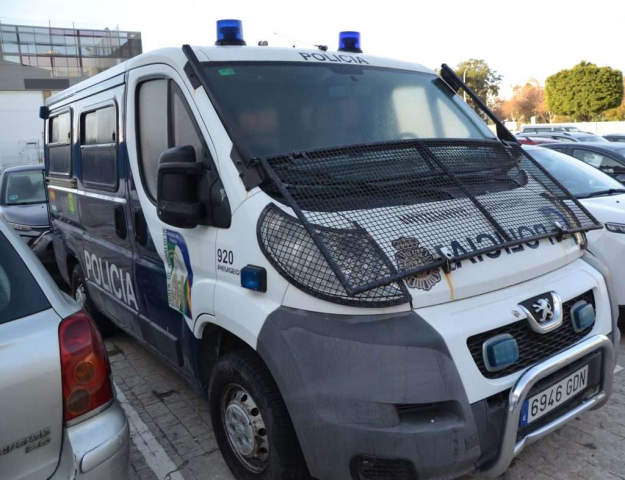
59 145
98 148
152 131
596 159
164 120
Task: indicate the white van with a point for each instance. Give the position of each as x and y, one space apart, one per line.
336 250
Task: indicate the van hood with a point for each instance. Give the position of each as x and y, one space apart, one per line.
477 275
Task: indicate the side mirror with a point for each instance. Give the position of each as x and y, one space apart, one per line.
177 193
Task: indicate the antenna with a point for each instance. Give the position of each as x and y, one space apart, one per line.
320 47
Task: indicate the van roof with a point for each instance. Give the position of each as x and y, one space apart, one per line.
176 58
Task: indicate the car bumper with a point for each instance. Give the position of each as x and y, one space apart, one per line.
97 448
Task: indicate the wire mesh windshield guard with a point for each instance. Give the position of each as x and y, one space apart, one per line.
424 204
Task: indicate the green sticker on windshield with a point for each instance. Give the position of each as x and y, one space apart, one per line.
226 72
72 206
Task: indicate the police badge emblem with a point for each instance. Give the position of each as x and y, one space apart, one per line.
410 254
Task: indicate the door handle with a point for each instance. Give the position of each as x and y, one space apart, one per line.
120 222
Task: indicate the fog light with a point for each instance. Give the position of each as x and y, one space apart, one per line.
582 315
500 352
254 278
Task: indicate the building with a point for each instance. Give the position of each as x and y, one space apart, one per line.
36 62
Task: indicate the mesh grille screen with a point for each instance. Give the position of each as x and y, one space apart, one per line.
404 200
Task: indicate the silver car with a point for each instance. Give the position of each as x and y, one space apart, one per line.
24 206
59 419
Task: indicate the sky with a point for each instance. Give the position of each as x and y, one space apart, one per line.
521 40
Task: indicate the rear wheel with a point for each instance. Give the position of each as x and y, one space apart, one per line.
251 423
79 292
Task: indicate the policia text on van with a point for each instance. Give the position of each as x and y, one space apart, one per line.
340 255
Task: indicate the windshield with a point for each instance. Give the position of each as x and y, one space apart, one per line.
24 187
592 138
580 179
280 107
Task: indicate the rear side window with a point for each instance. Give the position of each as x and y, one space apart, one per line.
20 295
98 149
59 144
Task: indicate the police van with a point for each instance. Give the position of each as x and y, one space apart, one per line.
363 280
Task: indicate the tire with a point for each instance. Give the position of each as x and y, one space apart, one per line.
80 294
240 384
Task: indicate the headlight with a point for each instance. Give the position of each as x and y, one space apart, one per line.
615 227
294 254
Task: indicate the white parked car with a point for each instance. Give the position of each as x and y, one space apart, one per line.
60 418
604 197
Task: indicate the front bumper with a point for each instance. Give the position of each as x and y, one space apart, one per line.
382 392
511 446
97 448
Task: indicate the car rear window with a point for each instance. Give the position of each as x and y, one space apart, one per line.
20 294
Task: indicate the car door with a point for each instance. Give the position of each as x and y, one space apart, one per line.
172 264
102 205
602 161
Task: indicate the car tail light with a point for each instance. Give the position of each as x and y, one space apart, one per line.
85 367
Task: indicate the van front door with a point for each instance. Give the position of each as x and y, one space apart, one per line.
174 268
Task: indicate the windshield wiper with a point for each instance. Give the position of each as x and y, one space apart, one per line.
610 191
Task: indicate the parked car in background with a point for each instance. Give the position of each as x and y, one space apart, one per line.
616 137
609 157
547 128
60 418
24 206
527 140
604 197
570 137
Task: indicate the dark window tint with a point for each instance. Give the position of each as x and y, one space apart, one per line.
597 160
59 149
20 296
164 122
153 134
98 148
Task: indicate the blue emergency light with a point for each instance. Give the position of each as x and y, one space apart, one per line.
349 42
229 32
582 316
254 278
500 352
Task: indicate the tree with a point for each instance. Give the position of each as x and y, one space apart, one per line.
482 79
616 114
584 91
527 101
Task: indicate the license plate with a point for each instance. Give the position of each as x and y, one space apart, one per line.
551 398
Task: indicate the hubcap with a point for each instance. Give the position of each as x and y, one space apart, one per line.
245 428
81 295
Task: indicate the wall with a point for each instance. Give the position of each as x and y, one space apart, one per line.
19 125
599 128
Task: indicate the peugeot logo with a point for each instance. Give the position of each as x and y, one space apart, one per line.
543 312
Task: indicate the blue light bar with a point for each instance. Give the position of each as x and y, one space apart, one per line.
229 32
254 278
349 42
500 352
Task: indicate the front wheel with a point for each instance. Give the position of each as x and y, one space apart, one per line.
251 423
